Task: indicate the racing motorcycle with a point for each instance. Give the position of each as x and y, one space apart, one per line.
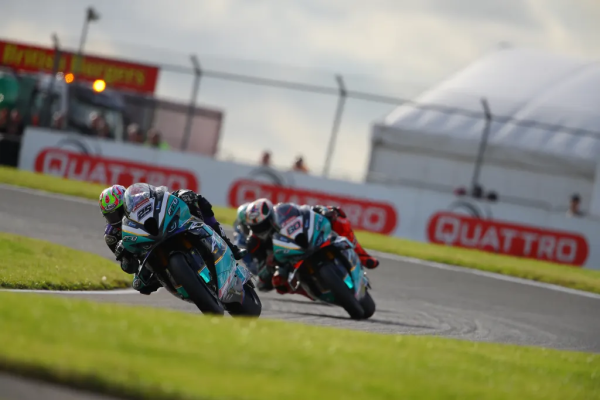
240 239
324 263
190 260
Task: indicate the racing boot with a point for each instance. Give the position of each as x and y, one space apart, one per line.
343 228
281 284
265 276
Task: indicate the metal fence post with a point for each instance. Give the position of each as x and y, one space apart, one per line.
336 123
482 144
46 119
192 107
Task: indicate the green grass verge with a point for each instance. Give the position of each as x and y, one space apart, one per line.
576 278
159 354
36 264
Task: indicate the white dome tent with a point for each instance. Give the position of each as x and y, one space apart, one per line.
545 162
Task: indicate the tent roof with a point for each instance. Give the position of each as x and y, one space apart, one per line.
522 84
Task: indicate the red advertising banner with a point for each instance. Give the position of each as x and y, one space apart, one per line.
508 238
110 171
117 74
364 214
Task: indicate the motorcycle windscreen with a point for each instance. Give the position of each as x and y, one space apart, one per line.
289 222
285 213
319 230
137 201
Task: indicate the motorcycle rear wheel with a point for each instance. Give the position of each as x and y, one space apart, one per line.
195 287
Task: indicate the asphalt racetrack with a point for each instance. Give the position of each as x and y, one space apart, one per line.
411 297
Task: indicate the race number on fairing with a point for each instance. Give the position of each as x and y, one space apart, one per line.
144 211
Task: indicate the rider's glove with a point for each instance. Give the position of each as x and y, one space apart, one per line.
339 212
188 197
320 210
330 212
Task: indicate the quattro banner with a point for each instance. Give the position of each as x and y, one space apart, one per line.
368 215
416 214
110 171
507 238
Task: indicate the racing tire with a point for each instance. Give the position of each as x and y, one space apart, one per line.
196 289
342 293
368 305
251 306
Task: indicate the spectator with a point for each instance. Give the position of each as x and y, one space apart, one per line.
134 134
574 210
99 126
58 120
266 159
3 120
299 165
103 130
477 192
492 197
460 191
155 140
15 124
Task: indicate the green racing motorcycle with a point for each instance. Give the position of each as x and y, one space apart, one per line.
323 263
189 259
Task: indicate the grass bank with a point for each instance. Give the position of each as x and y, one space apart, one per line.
576 278
124 350
36 264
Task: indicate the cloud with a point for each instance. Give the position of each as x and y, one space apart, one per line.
288 126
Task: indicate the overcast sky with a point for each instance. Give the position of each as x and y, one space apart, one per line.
395 47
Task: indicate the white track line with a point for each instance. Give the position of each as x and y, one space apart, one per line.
43 193
110 292
387 256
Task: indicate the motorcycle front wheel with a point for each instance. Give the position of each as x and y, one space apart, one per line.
251 306
368 305
344 296
195 287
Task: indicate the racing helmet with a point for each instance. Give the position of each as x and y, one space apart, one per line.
260 217
112 204
241 213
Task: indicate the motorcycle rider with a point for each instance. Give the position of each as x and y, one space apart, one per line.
259 217
240 227
112 206
241 234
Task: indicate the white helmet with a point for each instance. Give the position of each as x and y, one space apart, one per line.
260 217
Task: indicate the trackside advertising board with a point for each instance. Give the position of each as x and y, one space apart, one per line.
117 74
417 214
